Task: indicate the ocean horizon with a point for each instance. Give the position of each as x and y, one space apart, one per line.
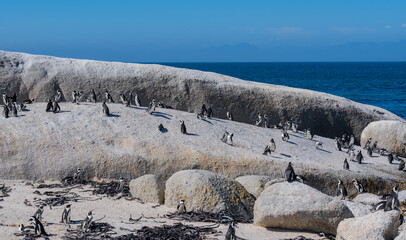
381 84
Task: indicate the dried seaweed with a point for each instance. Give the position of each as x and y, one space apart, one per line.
110 189
221 217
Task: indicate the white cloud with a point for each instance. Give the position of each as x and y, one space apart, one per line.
404 25
388 26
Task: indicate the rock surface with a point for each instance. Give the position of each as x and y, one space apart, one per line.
390 135
358 209
367 198
39 145
148 188
298 206
254 184
33 76
208 192
378 226
402 233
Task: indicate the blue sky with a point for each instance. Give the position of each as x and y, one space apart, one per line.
165 31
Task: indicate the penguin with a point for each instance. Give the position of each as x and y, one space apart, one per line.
230 235
390 158
338 144
58 95
130 99
87 221
271 147
390 201
203 110
38 213
92 96
285 135
369 152
123 98
358 186
318 145
5 111
266 121
401 165
109 98
227 138
66 214
200 116
28 101
367 143
49 105
79 97
14 109
105 109
267 150
151 107
359 157
183 127
5 99
209 113
38 227
20 107
121 184
230 116
290 173
181 208
72 179
161 127
74 96
342 191
257 123
295 128
351 154
346 166
55 107
352 141
309 134
374 146
137 101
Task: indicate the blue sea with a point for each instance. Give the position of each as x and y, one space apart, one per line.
381 84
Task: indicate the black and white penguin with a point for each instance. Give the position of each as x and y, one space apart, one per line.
14 109
290 173
203 110
181 208
74 97
66 214
271 147
359 157
401 164
137 101
55 107
318 145
28 101
5 99
123 98
87 221
161 127
38 227
121 184
209 112
79 97
358 186
374 147
182 127
92 96
106 109
346 166
341 191
295 127
151 107
367 143
285 135
390 201
25 230
14 98
309 134
260 119
227 138
390 158
337 144
109 98
369 152
38 213
5 111
230 235
49 105
229 116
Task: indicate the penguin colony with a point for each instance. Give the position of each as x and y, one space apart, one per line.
389 201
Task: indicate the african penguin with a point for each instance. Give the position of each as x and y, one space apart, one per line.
108 97
38 213
92 96
346 166
66 214
229 116
309 134
49 105
359 157
5 111
181 208
390 158
401 165
230 235
341 191
137 101
209 113
105 109
285 135
38 227
290 173
358 186
182 127
87 221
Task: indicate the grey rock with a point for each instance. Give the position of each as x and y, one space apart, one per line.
254 184
148 188
358 209
33 76
208 192
299 207
367 198
390 135
378 226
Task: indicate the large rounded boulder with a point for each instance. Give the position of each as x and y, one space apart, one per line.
147 188
254 184
378 226
207 191
390 135
300 207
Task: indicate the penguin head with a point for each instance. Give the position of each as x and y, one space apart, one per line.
68 206
395 189
32 220
182 201
90 213
20 227
339 182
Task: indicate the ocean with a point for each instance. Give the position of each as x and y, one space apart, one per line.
381 84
